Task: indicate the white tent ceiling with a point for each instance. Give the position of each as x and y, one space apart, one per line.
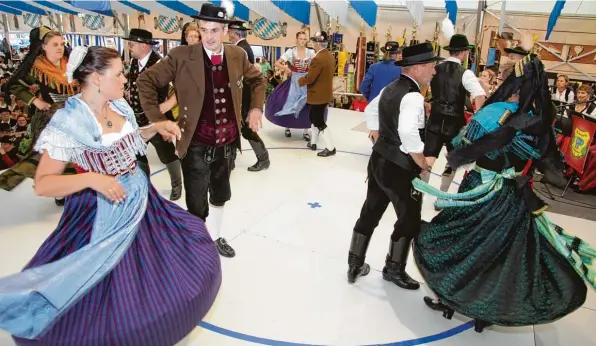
572 7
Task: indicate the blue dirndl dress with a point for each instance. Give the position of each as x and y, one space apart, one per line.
140 273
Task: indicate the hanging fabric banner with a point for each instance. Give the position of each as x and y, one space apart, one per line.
452 10
553 17
359 65
582 135
417 10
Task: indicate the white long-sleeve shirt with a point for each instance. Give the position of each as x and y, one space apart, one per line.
561 96
412 119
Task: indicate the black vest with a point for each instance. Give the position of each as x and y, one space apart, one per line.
135 102
388 144
449 98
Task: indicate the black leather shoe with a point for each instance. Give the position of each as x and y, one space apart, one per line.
59 202
176 192
287 133
394 270
312 146
307 137
224 248
447 311
325 152
480 325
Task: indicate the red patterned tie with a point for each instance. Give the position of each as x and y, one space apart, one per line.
216 59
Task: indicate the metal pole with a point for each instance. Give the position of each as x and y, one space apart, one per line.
321 27
126 18
480 12
502 17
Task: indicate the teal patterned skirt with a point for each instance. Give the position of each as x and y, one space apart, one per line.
489 257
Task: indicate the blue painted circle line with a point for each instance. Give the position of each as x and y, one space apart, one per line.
254 339
270 342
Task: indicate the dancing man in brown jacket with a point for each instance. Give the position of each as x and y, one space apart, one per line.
319 82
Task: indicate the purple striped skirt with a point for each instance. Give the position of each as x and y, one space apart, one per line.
155 296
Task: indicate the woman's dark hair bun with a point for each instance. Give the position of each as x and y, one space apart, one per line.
97 59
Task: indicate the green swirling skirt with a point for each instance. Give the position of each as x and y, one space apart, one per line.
495 260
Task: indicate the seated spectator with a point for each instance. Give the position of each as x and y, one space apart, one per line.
3 103
7 124
12 105
22 128
8 152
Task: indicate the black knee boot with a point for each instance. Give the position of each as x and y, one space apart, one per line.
356 257
175 172
394 270
262 156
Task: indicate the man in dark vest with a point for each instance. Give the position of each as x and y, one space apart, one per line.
140 45
237 33
396 160
450 88
208 78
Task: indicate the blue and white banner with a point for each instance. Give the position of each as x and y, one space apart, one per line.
553 17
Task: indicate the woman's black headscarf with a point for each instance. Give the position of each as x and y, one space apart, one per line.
36 40
529 79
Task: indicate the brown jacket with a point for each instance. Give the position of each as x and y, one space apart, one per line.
320 78
184 68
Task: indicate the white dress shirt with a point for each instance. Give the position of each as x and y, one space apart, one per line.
412 119
142 62
210 53
562 96
469 81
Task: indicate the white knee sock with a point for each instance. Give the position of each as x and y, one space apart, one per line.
314 135
214 221
327 138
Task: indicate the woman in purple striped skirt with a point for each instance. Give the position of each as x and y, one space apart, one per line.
124 267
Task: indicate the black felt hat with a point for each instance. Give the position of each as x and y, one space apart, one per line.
391 47
517 50
213 13
141 35
238 25
421 53
458 43
8 139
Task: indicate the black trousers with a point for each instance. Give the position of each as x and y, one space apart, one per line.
206 170
248 133
387 183
316 116
434 141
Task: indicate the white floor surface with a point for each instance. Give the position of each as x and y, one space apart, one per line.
291 227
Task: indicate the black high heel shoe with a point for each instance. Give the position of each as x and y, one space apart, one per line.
480 325
447 311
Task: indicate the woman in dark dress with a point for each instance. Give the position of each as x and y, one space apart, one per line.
492 254
39 81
